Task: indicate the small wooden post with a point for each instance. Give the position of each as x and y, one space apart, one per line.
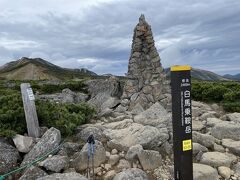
30 110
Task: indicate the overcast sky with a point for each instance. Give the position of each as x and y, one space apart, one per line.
97 34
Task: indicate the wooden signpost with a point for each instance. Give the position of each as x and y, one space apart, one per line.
182 122
30 110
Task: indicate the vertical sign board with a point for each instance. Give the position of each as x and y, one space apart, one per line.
182 122
30 110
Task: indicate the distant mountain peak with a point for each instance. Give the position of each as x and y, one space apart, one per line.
233 77
39 69
202 75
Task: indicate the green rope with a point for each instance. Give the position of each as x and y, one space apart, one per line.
29 164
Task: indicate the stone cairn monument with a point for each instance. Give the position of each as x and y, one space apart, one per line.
145 77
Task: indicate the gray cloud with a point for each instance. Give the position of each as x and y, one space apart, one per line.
97 34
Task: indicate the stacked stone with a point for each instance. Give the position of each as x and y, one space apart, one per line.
145 73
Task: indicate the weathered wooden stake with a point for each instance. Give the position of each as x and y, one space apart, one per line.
30 110
182 122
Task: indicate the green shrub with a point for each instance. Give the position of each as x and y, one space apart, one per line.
65 117
232 96
214 93
54 88
231 106
225 93
12 118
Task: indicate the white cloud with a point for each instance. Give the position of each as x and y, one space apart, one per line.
39 54
97 33
13 44
5 55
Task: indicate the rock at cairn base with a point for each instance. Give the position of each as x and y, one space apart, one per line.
47 143
64 176
145 73
132 173
204 172
33 173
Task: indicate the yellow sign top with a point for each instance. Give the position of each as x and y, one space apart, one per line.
181 68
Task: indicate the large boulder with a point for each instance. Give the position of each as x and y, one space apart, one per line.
203 139
235 117
132 173
86 132
23 143
68 96
119 117
201 105
69 148
80 160
150 159
196 111
204 172
123 164
9 157
156 116
133 151
198 148
197 125
147 136
113 159
225 172
236 168
233 146
49 141
226 130
119 124
102 92
55 163
111 87
64 176
213 121
216 159
137 109
80 97
33 173
209 114
218 148
110 103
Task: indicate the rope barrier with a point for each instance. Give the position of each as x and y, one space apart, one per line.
29 164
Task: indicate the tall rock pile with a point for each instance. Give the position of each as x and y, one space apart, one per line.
145 73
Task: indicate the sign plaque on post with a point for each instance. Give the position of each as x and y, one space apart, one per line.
30 110
182 122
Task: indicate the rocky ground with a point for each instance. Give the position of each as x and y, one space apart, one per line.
133 144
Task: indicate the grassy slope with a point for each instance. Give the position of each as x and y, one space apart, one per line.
38 69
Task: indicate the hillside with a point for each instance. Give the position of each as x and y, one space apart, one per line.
202 75
233 77
39 69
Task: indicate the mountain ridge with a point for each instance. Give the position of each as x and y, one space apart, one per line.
39 69
232 77
202 75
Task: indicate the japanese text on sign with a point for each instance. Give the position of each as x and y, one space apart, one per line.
30 94
186 107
